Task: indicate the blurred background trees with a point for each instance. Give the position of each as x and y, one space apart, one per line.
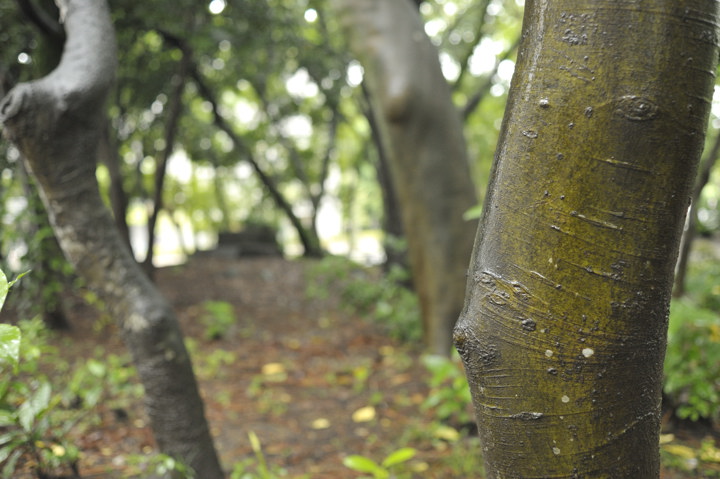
228 114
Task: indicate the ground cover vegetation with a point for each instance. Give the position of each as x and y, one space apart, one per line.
231 114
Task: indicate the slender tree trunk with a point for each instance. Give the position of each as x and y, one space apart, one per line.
691 228
55 122
174 112
395 254
564 327
119 202
426 151
308 238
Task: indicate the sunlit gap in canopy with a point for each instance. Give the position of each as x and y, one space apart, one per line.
216 7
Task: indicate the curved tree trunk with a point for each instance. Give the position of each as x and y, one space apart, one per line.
426 152
564 327
56 122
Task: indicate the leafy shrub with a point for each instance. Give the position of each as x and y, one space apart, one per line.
449 395
703 282
218 318
368 293
692 362
27 427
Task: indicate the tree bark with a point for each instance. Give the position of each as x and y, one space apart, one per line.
108 154
692 220
426 151
174 112
563 331
56 122
395 253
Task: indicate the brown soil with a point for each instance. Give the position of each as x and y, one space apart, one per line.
313 382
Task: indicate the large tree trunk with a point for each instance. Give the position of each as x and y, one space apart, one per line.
426 151
564 327
55 122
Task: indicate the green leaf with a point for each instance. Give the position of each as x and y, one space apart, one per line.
30 410
6 451
401 455
4 286
8 438
96 368
7 418
362 464
473 213
9 344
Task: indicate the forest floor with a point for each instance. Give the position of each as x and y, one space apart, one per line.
312 382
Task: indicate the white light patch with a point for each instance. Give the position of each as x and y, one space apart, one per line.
587 352
216 7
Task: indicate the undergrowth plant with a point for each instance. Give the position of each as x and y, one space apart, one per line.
218 317
369 293
258 467
449 396
692 360
37 413
28 428
394 465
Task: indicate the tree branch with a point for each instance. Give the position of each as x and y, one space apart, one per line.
40 18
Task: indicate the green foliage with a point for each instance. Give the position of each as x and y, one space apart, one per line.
26 422
449 395
703 280
9 347
390 466
692 361
36 415
105 379
383 298
218 318
29 429
257 467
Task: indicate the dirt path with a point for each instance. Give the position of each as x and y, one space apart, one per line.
311 381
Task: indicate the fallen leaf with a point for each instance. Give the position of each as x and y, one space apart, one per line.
320 423
364 414
270 369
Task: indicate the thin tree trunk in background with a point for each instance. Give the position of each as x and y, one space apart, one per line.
423 135
174 111
395 253
108 154
691 228
564 328
308 238
55 122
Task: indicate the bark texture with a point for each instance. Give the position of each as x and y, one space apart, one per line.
426 152
564 327
56 123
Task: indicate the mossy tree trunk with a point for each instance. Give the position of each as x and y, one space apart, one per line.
422 132
564 328
55 122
